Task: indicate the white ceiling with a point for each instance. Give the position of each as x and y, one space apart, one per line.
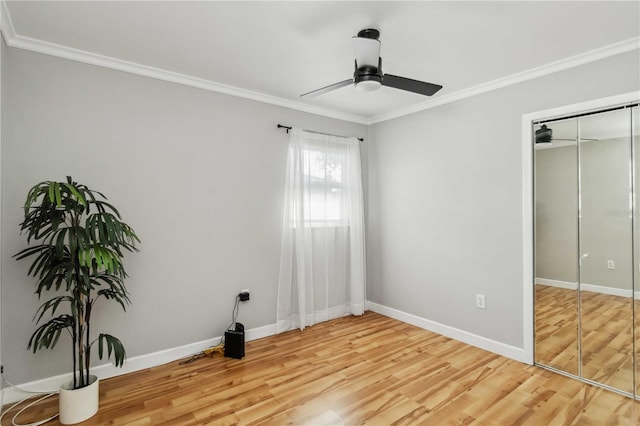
275 51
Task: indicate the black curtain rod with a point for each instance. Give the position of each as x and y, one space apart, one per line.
280 126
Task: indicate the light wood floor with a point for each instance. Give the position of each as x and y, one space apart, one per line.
556 322
606 334
355 370
607 339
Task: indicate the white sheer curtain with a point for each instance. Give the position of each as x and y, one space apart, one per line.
322 265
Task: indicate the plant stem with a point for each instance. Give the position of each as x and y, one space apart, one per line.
87 348
80 302
80 342
75 361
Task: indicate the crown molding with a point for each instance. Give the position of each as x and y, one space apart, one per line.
65 52
90 58
550 68
27 43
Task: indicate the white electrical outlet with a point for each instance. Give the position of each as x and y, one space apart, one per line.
611 264
480 302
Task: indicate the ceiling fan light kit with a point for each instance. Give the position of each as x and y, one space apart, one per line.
368 75
368 85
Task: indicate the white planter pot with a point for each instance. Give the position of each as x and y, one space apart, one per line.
77 405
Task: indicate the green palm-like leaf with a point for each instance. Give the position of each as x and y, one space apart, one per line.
51 305
77 194
47 335
116 290
80 244
114 346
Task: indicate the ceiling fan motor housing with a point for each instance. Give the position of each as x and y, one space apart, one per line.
544 135
369 33
367 78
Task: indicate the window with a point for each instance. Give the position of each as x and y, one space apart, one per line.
324 199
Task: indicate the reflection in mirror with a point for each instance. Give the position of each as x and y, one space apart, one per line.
556 248
605 248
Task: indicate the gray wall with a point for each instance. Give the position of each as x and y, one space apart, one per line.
445 200
605 230
556 219
605 226
199 175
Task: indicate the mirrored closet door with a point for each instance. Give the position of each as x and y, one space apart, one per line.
587 247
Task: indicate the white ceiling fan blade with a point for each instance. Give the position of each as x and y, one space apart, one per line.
367 51
328 88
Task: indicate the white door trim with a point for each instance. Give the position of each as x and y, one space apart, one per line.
2 88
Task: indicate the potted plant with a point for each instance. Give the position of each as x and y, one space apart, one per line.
79 252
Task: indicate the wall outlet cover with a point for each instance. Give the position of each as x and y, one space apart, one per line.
480 301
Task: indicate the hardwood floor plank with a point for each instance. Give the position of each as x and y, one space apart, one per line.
606 334
369 370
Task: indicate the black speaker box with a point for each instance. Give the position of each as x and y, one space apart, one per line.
234 342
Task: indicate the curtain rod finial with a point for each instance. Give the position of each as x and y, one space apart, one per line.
280 126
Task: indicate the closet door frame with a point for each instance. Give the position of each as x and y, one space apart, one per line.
528 249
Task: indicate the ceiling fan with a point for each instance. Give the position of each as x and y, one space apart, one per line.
544 136
368 74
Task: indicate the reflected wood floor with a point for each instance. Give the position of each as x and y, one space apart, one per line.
355 370
607 339
606 332
556 323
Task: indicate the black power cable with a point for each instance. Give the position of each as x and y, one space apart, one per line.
234 317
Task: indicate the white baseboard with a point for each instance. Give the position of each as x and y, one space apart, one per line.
490 345
606 290
259 332
555 283
594 288
141 362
